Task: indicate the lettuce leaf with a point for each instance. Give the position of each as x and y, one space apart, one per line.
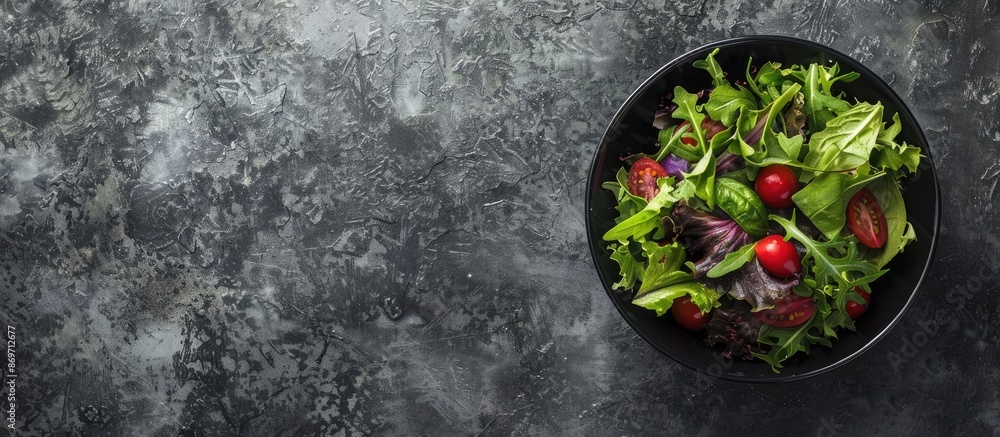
663 268
847 141
661 299
751 283
824 200
646 220
630 269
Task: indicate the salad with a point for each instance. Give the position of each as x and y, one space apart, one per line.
765 211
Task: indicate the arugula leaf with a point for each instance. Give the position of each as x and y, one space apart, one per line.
712 66
702 178
661 299
899 232
786 342
725 103
733 261
663 267
782 150
628 203
824 200
821 104
670 143
754 129
630 269
834 263
847 141
763 83
687 109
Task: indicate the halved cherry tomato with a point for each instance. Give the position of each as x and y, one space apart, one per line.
789 311
711 127
775 185
688 315
778 256
855 309
642 178
866 220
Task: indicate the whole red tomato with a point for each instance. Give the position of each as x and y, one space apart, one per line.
778 256
775 185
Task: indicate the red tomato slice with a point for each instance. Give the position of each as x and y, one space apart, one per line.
789 311
642 178
866 220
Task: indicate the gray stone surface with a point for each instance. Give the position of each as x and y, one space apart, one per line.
290 218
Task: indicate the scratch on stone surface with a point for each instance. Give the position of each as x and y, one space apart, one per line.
486 426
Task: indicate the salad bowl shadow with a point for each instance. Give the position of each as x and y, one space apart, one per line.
631 131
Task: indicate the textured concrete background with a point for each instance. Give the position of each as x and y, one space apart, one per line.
285 218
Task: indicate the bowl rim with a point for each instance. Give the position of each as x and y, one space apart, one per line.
906 116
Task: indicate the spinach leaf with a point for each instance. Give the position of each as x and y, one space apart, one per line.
847 141
743 205
661 299
733 261
824 200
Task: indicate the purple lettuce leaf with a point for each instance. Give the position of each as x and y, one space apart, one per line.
751 283
711 237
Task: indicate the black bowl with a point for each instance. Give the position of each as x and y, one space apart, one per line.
631 131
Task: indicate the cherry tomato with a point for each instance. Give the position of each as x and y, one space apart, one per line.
866 220
688 315
789 311
778 256
711 127
642 178
775 185
855 309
